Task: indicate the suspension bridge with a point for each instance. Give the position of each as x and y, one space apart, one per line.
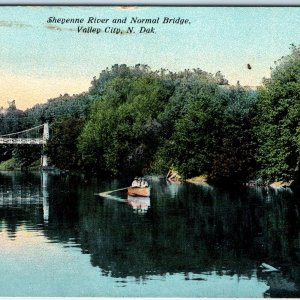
37 135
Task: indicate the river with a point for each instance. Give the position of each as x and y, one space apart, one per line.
57 238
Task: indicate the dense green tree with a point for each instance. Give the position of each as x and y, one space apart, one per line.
123 132
25 155
62 145
5 152
278 119
160 119
98 84
64 106
190 147
212 132
234 153
137 120
11 120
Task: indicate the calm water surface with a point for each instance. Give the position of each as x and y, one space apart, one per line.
58 239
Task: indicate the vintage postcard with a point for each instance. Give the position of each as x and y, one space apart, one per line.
149 151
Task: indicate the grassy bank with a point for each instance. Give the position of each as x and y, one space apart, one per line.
12 165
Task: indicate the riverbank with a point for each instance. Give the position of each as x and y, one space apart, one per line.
13 165
173 176
202 179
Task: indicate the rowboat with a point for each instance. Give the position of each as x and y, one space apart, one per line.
139 191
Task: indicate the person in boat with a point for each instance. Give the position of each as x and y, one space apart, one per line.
139 182
144 183
135 182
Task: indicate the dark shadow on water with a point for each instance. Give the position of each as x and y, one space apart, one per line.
183 229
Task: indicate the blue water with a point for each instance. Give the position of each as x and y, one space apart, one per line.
60 239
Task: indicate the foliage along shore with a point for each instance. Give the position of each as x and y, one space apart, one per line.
172 176
137 121
13 165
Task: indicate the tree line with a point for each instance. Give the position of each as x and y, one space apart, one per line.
136 121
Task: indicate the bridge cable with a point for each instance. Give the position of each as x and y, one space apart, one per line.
10 134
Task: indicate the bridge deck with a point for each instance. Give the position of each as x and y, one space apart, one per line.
19 141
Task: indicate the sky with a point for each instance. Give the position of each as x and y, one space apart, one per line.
39 60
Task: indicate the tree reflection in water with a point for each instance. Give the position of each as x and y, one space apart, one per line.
187 229
197 229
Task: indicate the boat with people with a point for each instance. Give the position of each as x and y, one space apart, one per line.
139 188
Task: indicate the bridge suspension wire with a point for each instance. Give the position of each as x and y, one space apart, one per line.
17 140
23 131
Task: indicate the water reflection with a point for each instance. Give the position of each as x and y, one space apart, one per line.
195 229
23 201
193 236
140 205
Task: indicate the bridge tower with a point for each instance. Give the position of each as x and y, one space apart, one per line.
44 158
